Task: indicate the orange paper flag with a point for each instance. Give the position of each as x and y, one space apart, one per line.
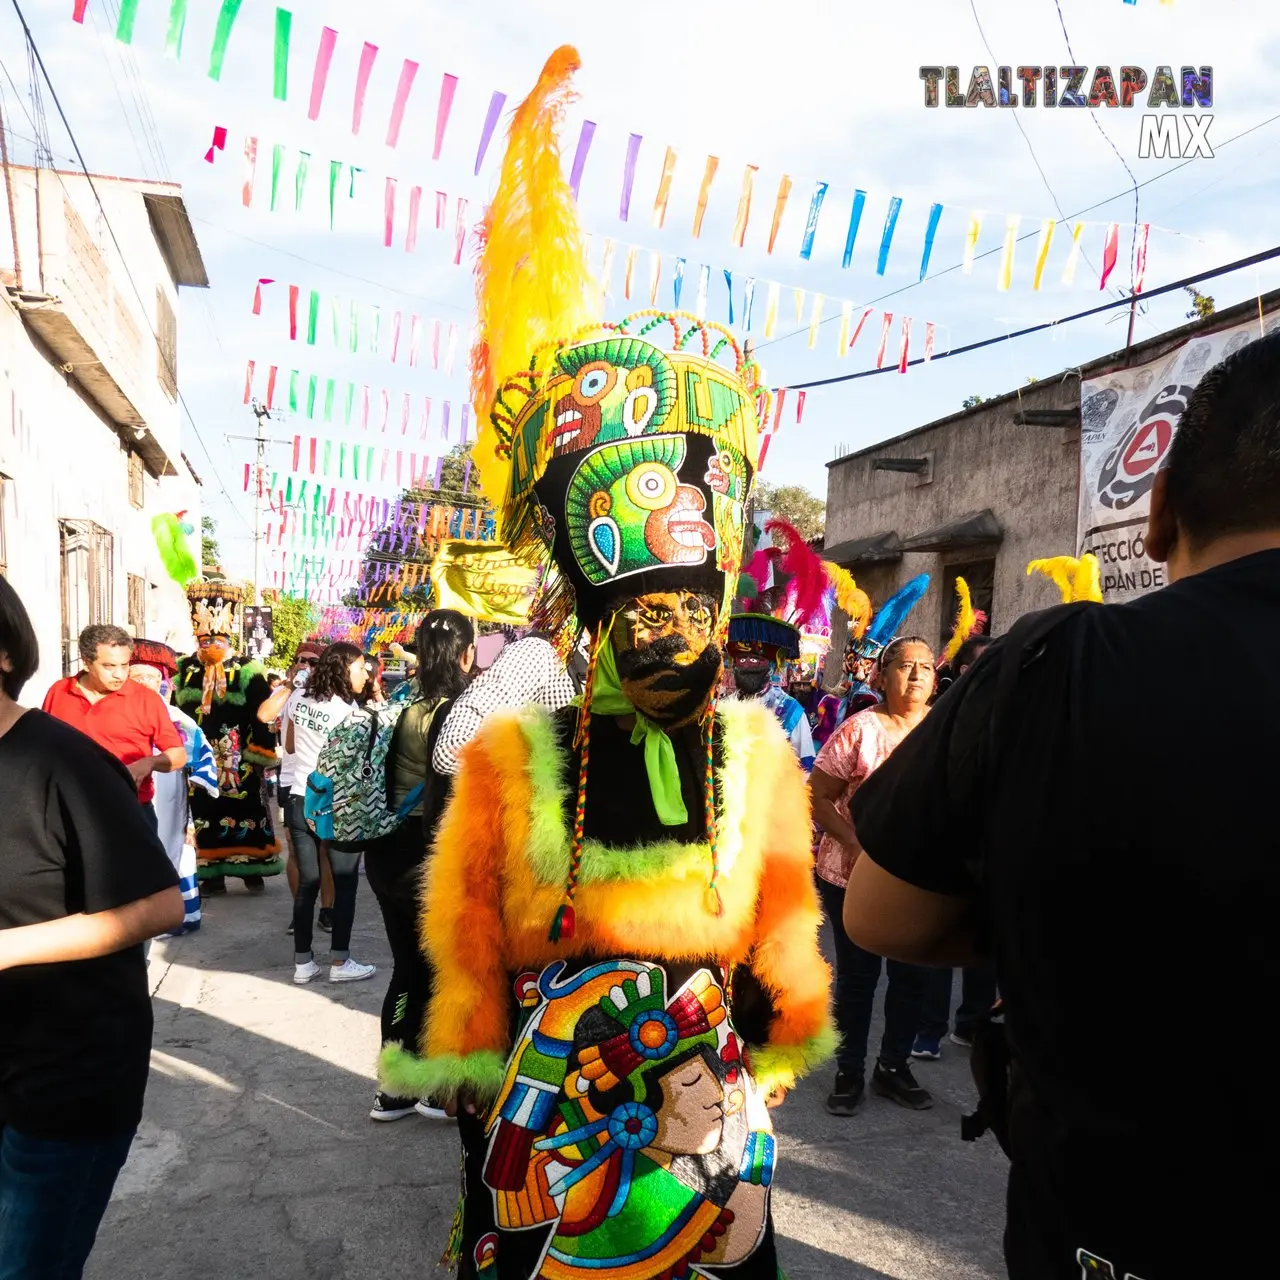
713 163
664 188
744 205
784 190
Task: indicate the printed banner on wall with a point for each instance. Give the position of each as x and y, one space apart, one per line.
1127 422
484 581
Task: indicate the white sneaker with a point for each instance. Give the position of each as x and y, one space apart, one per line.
351 971
303 973
426 1108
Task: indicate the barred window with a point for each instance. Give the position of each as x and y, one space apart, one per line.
137 605
88 553
137 481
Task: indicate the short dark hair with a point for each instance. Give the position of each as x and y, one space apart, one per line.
967 653
102 633
17 641
1224 464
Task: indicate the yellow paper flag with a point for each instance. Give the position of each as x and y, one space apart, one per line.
815 319
784 190
971 239
846 319
606 266
771 309
631 271
1006 257
655 274
713 163
1069 271
1042 253
799 297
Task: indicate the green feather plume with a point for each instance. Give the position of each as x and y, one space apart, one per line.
175 554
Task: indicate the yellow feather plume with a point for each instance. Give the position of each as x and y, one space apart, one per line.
966 619
532 284
1076 579
850 597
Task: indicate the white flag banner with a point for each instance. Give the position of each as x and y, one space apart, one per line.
1127 423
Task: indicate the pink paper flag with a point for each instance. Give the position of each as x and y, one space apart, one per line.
451 351
447 87
219 142
906 342
435 344
324 56
884 339
77 14
928 340
386 409
257 294
415 203
399 463
246 477
862 319
271 387
364 407
496 103
385 457
389 212
460 232
800 395
367 55
1141 270
297 450
426 417
248 382
293 313
1110 251
395 336
442 207
404 414
250 165
415 334
407 73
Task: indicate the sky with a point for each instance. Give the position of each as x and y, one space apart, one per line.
820 92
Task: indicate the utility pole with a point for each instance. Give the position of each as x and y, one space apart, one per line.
262 414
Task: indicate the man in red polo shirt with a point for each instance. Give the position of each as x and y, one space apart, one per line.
128 720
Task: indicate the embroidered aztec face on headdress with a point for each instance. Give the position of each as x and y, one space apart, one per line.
668 661
213 609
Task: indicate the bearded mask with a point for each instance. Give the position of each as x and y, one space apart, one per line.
668 662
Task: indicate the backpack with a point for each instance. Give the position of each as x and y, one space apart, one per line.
348 801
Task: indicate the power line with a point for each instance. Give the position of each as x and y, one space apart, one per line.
1265 256
66 124
1079 213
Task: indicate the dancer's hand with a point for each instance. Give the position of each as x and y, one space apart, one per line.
777 1097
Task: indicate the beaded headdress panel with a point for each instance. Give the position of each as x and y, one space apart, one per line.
213 608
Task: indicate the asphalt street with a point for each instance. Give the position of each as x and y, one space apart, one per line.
257 1158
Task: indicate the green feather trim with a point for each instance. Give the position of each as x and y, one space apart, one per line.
408 1076
548 848
781 1065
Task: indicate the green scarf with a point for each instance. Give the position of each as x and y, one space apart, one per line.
608 699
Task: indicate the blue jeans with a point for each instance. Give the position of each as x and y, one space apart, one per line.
977 995
53 1193
857 976
346 884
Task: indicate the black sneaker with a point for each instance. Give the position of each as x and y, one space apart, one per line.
254 884
325 920
899 1085
847 1095
213 885
289 930
388 1107
963 1036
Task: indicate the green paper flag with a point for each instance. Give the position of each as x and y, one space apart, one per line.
311 397
222 33
313 317
351 192
336 308
342 463
177 25
355 327
328 400
124 27
284 24
368 463
328 450
277 163
300 180
293 391
288 490
335 171
351 399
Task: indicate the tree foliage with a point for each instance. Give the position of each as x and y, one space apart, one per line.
210 553
795 504
972 402
1202 306
292 621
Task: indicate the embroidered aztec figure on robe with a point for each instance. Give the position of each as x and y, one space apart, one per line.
628 1121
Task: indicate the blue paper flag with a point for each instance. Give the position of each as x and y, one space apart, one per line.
890 221
935 216
855 217
811 225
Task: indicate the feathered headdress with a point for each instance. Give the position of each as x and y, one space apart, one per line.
1077 579
968 621
532 285
889 619
170 533
850 597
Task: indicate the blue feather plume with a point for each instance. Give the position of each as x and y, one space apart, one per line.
893 613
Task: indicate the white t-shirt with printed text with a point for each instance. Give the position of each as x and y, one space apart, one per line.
313 722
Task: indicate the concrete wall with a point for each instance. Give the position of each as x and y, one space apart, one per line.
1027 475
63 460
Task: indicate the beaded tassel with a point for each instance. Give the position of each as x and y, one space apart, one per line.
564 925
714 903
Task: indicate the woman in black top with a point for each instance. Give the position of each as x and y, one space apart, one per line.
84 881
446 650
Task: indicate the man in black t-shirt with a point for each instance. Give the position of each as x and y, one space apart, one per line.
1066 808
84 881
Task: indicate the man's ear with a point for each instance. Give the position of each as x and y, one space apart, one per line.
1162 526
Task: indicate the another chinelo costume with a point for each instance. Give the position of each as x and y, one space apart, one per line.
758 644
222 694
619 907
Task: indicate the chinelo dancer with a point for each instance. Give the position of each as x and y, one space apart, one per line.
620 909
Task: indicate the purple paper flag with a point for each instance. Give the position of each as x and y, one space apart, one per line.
587 132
